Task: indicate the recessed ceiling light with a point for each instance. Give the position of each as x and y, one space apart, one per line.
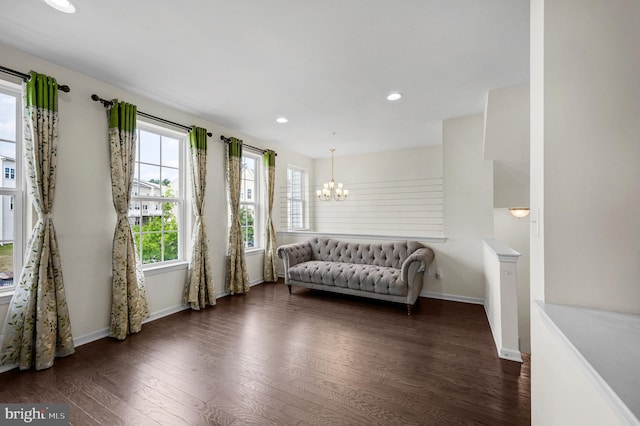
282 120
61 5
394 96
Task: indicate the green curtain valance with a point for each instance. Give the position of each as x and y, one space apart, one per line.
41 91
235 147
198 138
269 158
122 116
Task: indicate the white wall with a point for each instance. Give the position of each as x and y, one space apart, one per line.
592 154
468 208
585 181
83 211
506 142
388 192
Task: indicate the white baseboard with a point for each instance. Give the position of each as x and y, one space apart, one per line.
165 312
91 337
510 354
104 332
226 293
5 368
452 297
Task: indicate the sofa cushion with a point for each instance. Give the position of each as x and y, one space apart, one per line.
387 255
377 279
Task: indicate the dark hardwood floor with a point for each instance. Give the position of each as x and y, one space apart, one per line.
309 358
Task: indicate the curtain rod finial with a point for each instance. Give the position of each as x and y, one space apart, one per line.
64 88
95 97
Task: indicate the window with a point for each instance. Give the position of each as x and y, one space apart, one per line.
296 198
157 204
11 189
249 196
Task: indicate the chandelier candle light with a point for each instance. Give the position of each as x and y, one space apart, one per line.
329 190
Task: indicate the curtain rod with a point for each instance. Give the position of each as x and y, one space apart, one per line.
260 150
109 104
27 77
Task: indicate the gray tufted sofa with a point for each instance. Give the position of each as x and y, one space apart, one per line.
392 271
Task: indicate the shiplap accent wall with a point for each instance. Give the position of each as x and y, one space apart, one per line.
408 207
398 193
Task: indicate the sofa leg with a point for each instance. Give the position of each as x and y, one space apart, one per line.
289 285
409 307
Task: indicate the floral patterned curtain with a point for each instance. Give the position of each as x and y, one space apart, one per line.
129 300
199 289
37 327
270 265
237 275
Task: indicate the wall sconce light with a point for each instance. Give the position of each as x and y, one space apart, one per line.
519 212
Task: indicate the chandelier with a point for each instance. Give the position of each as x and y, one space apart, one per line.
329 190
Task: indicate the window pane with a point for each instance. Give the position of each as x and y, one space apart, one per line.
249 191
149 147
170 182
151 245
7 118
295 215
170 152
8 149
136 240
170 216
296 187
296 184
8 170
170 246
6 240
247 222
6 219
149 181
6 265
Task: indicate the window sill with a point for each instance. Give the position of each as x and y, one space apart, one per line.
254 252
5 296
167 267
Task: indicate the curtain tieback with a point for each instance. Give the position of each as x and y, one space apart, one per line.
45 216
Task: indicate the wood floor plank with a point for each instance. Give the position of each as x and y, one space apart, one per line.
309 358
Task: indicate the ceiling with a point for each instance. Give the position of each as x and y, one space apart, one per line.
325 65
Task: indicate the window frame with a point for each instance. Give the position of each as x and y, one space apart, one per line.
17 193
180 200
303 200
255 202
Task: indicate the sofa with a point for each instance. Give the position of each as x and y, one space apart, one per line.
392 271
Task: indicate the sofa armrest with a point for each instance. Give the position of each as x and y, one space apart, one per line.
416 263
292 254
